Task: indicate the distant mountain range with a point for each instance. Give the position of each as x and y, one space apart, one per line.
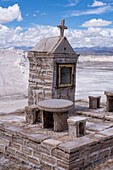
83 51
95 51
24 48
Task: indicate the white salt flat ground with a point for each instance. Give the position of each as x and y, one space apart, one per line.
93 78
8 106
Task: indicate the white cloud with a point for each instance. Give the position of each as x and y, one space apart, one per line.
96 11
37 11
34 15
43 13
16 37
8 36
72 3
90 37
97 4
9 14
96 23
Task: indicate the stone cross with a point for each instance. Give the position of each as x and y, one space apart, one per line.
62 27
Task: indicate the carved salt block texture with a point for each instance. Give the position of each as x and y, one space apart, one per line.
31 113
76 126
94 102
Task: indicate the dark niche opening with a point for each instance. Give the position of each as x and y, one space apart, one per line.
81 129
65 75
48 120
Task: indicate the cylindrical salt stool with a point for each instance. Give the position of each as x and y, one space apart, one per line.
94 102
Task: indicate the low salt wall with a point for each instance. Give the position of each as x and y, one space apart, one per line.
43 153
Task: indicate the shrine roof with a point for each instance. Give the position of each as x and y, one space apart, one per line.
56 44
46 44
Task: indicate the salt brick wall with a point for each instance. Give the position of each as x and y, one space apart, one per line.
43 77
40 78
20 148
64 92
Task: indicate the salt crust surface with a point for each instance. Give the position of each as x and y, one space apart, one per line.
94 76
13 73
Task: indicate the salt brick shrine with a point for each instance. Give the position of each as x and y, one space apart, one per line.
52 69
50 133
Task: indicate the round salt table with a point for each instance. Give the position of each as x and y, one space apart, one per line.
55 113
55 105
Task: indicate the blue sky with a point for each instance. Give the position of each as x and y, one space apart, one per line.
25 22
